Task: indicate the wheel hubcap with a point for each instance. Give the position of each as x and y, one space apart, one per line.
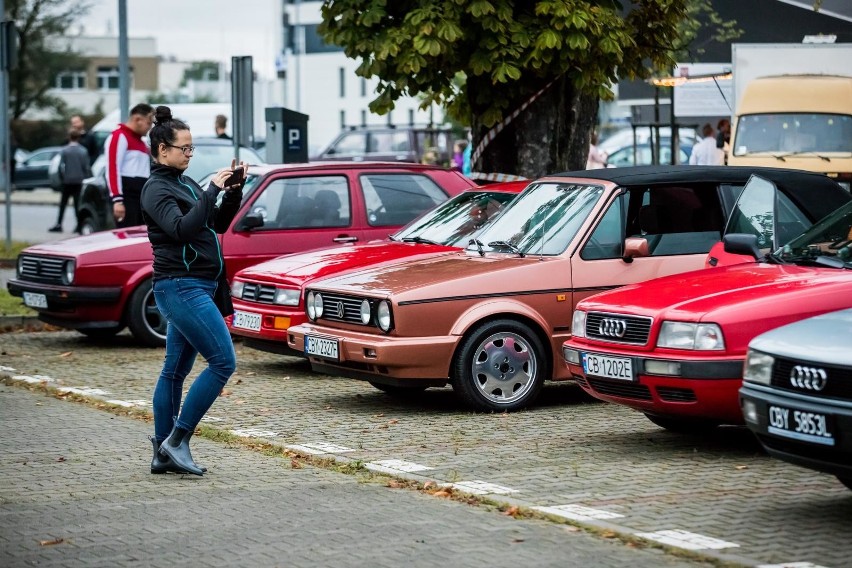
504 368
152 316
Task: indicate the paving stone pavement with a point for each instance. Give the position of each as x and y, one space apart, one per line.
603 462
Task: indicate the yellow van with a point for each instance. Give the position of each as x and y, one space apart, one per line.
795 121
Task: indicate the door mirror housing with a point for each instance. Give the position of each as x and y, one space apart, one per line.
741 243
635 247
249 222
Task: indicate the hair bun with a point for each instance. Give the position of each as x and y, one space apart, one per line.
162 114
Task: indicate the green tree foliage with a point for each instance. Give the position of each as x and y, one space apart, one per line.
201 71
507 51
40 24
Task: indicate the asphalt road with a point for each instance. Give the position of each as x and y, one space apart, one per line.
602 466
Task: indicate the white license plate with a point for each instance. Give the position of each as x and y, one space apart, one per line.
246 320
35 300
800 425
610 367
321 347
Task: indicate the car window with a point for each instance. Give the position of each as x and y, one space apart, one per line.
753 213
676 220
607 240
41 157
352 144
396 199
388 142
304 202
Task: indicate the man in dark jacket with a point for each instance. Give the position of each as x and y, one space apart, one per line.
87 139
74 167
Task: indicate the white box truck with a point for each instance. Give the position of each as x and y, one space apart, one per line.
793 107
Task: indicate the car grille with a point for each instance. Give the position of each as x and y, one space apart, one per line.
342 308
44 269
258 293
621 389
673 394
838 383
631 329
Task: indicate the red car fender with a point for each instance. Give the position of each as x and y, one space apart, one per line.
134 281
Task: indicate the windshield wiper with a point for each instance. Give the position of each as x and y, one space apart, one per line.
419 240
801 153
478 246
510 246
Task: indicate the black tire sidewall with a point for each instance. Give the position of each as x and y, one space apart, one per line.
136 320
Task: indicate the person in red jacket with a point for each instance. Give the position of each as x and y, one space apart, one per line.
129 165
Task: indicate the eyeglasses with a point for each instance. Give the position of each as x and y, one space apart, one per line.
187 150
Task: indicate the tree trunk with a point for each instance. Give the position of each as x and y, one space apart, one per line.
549 136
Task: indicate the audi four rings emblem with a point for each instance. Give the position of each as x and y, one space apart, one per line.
612 327
810 378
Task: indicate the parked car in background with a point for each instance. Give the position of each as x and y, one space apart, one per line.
491 319
391 144
673 348
643 155
797 393
268 297
95 209
35 170
101 283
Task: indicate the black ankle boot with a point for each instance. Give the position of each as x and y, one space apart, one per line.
176 446
163 463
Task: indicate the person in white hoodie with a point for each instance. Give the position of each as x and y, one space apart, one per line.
705 153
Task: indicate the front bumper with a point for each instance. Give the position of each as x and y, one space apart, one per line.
834 458
704 389
74 307
380 358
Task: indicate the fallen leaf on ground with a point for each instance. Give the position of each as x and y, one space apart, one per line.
67 354
295 464
61 459
609 534
239 402
512 511
517 540
394 421
225 392
379 415
51 542
429 484
741 467
239 382
445 492
393 483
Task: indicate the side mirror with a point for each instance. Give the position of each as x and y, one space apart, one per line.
249 222
635 247
741 243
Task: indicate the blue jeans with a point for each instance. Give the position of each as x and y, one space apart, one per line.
194 326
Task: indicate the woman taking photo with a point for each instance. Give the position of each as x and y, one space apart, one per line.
189 272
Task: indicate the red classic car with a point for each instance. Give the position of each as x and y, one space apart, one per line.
491 320
100 283
674 347
268 296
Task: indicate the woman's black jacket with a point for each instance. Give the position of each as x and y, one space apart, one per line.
183 221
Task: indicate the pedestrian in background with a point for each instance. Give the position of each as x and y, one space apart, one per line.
74 167
597 157
87 139
723 137
128 165
458 154
221 124
705 153
190 287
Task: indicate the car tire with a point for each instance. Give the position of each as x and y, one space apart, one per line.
88 225
101 332
145 321
500 366
682 425
398 391
847 481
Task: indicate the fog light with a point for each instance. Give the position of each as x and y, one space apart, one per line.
669 368
750 411
370 353
571 356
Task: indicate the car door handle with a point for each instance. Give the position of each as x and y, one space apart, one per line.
345 239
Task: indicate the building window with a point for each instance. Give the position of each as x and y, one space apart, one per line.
363 118
342 82
411 116
363 87
108 78
343 119
71 80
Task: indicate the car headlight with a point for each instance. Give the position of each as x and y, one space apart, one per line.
69 267
365 312
758 367
20 266
578 324
237 289
286 297
318 307
684 335
383 316
309 305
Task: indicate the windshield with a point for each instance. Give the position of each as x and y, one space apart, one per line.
209 158
786 134
829 238
454 221
542 220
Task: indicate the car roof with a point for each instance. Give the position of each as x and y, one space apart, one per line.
263 169
662 174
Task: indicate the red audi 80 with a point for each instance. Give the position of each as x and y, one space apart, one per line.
99 284
674 347
268 297
491 319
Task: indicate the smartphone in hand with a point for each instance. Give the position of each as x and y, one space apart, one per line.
235 178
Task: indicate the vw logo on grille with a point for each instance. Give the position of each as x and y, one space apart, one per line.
610 327
340 310
810 378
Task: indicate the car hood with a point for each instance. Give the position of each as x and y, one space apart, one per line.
448 275
301 267
806 340
134 238
730 293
